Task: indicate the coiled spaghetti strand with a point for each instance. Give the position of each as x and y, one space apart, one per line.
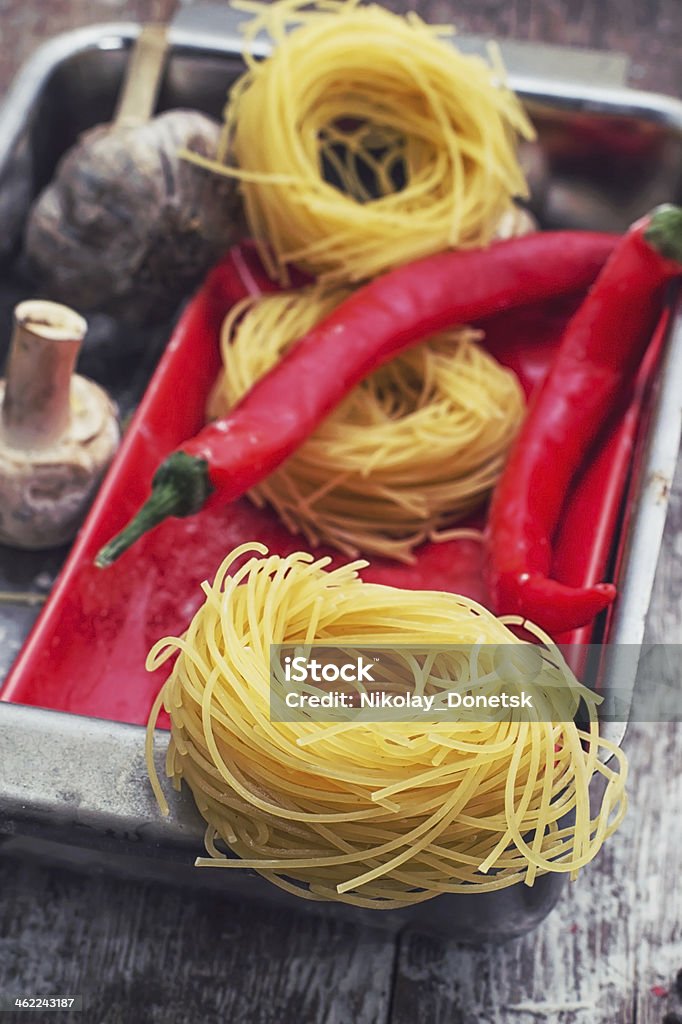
366 140
373 813
412 449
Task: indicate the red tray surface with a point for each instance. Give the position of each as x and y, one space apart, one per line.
86 652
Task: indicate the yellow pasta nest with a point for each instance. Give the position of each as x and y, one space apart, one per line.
380 814
367 140
414 448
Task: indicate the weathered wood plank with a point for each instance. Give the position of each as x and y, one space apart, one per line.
157 954
151 953
649 32
610 946
613 946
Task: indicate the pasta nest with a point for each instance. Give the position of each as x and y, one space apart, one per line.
412 449
378 813
366 140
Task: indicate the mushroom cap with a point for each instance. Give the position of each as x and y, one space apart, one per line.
46 492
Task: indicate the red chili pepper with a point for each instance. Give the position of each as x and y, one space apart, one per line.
595 365
376 323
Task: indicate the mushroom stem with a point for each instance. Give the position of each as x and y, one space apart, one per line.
36 408
137 99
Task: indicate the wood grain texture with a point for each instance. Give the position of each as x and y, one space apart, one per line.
154 954
24 24
649 32
607 955
610 951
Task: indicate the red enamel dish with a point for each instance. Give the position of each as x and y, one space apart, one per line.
87 650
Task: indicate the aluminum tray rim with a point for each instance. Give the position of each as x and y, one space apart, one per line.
618 98
127 815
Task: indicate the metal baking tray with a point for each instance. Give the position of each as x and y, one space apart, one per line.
73 789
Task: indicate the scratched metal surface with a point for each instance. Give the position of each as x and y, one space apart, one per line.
607 955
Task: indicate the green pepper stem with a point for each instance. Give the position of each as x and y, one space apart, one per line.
161 504
180 487
664 231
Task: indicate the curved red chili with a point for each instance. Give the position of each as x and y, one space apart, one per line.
377 322
596 362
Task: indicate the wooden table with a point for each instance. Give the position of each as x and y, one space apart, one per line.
607 955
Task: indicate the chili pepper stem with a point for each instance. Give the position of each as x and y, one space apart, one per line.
375 324
180 487
597 362
664 232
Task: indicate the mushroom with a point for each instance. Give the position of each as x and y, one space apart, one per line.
127 226
58 430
